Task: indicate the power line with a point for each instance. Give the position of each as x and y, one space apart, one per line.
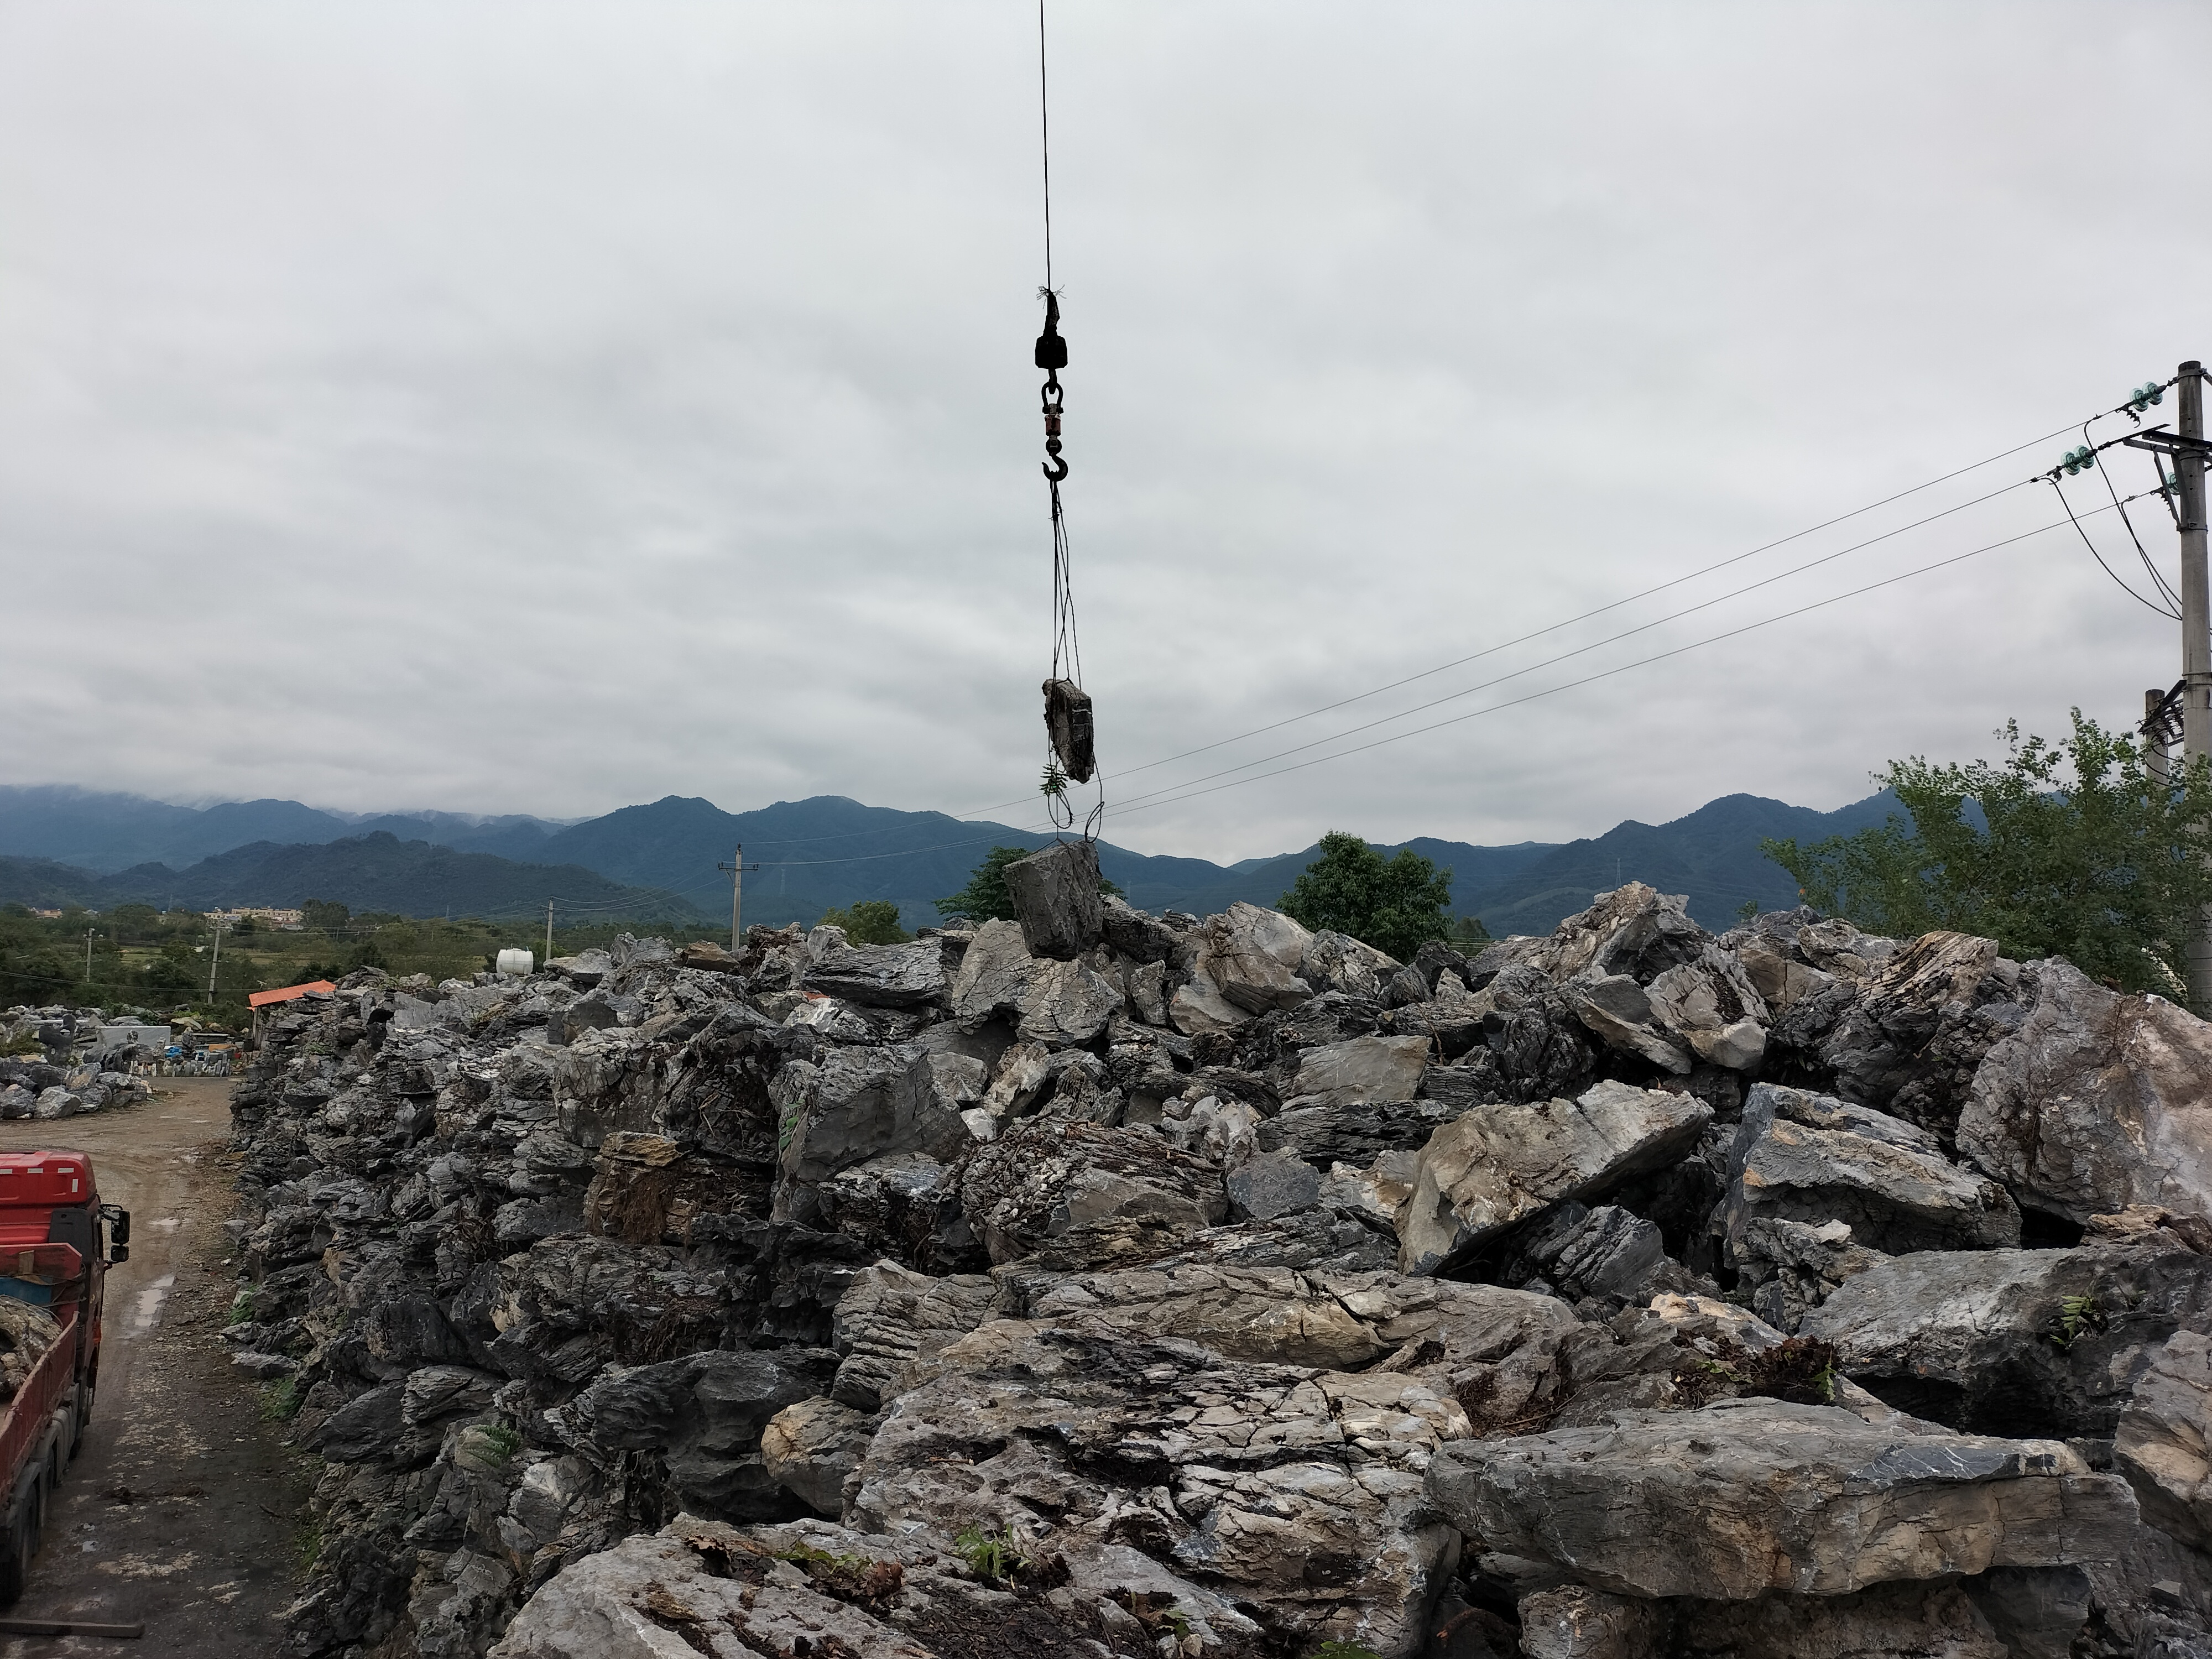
1676 581
2165 611
1611 639
1624 668
1169 798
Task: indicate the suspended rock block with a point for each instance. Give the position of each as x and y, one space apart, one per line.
1056 894
1067 720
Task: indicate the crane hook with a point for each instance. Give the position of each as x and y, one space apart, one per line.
1052 357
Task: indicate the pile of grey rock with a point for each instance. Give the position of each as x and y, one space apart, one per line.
68 1076
1103 1284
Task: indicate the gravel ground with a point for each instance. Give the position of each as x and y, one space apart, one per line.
185 1511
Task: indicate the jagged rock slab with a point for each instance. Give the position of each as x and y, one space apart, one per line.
890 1318
1633 931
1791 1268
1295 1493
2164 1441
1046 1177
2013 1341
1576 1252
1058 1004
811 1448
704 1413
865 1103
1814 1158
1055 895
1620 1012
1363 1069
1251 957
812 1588
1712 1005
1964 1620
1338 961
1498 1165
1910 1038
1748 1497
2096 1103
1275 1314
1357 1134
882 975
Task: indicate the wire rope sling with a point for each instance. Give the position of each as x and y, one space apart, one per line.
1067 713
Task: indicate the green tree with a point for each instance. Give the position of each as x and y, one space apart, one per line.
2078 854
1396 904
868 921
985 898
323 914
1468 930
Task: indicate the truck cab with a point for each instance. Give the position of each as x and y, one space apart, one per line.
57 1242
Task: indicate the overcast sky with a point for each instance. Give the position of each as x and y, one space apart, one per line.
543 408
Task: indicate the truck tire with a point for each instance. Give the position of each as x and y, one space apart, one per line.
20 1547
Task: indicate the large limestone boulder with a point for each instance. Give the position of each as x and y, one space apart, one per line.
890 1318
864 1103
704 1413
2007 1613
2164 1441
1814 1158
1059 1003
1633 931
880 976
811 1448
1497 1166
1046 1177
1751 1496
1715 1007
1251 957
2098 1102
1369 1068
1275 1314
1338 961
1356 1132
2032 1342
1619 1013
1270 1482
1909 1038
1055 895
809 1587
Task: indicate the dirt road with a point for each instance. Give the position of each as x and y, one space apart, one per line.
184 1511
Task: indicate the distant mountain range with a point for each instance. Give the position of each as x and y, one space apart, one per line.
109 832
658 862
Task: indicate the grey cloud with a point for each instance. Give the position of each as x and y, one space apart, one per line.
541 409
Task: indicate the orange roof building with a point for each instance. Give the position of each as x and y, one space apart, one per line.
290 993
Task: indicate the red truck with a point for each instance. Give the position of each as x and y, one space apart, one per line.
57 1242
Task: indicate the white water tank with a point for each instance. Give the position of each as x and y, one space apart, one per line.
518 964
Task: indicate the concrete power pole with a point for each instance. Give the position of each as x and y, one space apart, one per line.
2196 635
736 866
87 956
549 933
215 961
2188 449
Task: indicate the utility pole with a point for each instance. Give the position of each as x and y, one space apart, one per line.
214 961
87 956
737 868
549 933
2188 448
2196 635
